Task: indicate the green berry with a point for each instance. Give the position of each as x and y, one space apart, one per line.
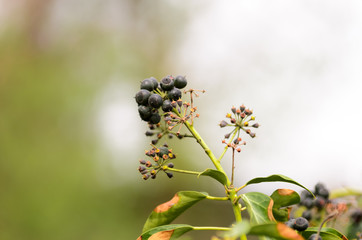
155 101
145 112
174 94
147 84
167 83
142 97
180 82
167 106
301 224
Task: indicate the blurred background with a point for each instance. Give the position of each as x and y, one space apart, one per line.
71 138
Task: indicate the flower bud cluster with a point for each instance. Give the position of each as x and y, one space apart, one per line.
160 162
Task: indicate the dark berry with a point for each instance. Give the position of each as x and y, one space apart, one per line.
155 101
149 133
154 82
308 203
314 237
319 202
301 224
323 192
290 223
356 216
167 106
145 112
318 186
167 83
307 214
174 94
147 84
170 165
180 82
143 162
170 175
141 168
306 194
163 151
155 118
142 97
154 141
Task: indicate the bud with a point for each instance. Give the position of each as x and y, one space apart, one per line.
233 109
238 111
159 135
252 118
239 149
153 172
228 115
145 176
151 126
246 124
179 102
148 164
223 141
252 135
242 108
255 125
242 115
170 165
143 162
170 175
233 120
149 133
223 124
174 104
154 141
141 168
248 112
227 135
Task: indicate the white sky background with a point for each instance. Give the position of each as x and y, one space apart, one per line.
298 64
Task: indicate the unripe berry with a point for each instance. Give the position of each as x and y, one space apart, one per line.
174 94
167 106
301 224
142 97
145 112
180 82
167 83
147 84
155 101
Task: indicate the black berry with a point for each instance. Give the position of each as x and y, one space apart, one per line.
170 165
308 203
167 106
170 175
163 151
155 101
154 82
145 112
155 118
147 84
307 214
319 202
323 192
314 237
142 97
174 94
301 224
167 83
180 82
290 223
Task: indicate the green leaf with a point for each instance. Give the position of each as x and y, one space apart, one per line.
165 232
238 229
165 213
326 233
259 207
275 230
283 198
276 178
215 174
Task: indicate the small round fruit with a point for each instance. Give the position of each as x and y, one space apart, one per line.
290 223
180 82
167 83
147 84
163 151
307 214
319 202
308 203
170 175
170 165
323 192
167 106
155 101
145 112
174 94
301 224
142 97
155 118
314 237
154 82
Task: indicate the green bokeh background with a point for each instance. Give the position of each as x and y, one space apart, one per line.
56 181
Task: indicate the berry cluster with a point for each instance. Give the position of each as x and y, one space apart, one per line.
241 120
154 95
300 224
161 157
314 205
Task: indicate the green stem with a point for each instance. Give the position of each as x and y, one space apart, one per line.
212 228
181 171
226 147
217 198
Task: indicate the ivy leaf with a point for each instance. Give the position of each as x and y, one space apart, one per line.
165 232
276 178
326 233
238 229
215 174
275 230
283 198
166 212
259 207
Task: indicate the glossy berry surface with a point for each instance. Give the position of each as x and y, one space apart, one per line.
301 224
167 106
174 94
147 84
167 83
155 118
155 101
154 82
142 97
180 82
145 112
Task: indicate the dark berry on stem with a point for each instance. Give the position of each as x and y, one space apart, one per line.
170 175
301 224
155 101
155 118
163 151
314 237
167 106
167 83
154 82
142 97
145 112
323 192
147 84
319 202
290 223
174 94
180 82
149 133
154 141
308 203
170 165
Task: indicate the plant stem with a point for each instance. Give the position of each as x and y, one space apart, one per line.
182 171
233 167
212 228
217 198
226 147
